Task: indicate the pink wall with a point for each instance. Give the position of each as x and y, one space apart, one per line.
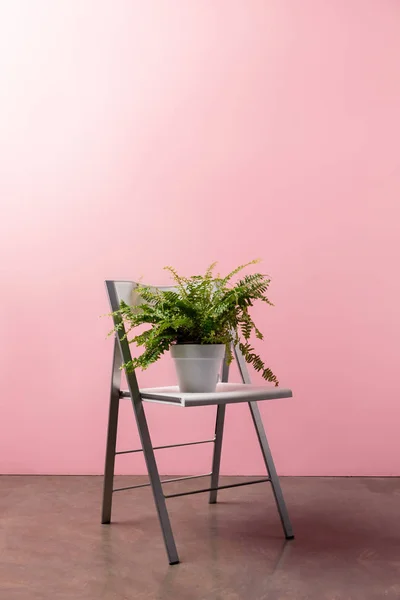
136 134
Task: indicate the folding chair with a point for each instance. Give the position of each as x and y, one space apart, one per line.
226 393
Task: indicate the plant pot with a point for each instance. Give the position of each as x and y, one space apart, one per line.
198 366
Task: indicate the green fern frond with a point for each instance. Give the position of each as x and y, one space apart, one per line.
208 274
238 269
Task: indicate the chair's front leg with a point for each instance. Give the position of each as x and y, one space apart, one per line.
155 482
269 463
111 436
219 432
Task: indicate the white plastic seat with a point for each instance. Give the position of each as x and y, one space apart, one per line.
226 393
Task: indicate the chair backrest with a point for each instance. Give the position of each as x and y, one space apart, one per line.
125 291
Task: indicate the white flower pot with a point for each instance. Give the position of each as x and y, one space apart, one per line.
198 366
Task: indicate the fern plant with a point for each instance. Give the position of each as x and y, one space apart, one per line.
202 309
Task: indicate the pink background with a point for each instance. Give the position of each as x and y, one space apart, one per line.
136 134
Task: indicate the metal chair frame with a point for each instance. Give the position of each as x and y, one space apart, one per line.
124 290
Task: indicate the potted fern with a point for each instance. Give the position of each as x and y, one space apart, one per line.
198 320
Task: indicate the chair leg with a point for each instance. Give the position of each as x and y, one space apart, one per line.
219 432
266 452
269 463
111 436
155 482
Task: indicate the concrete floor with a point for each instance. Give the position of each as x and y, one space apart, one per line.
347 544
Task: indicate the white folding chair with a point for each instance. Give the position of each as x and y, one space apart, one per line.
226 393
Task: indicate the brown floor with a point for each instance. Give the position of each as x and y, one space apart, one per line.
347 544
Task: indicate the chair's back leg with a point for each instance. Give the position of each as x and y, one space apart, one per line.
266 452
111 435
219 432
269 463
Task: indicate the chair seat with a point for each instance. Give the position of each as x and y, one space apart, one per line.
226 393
